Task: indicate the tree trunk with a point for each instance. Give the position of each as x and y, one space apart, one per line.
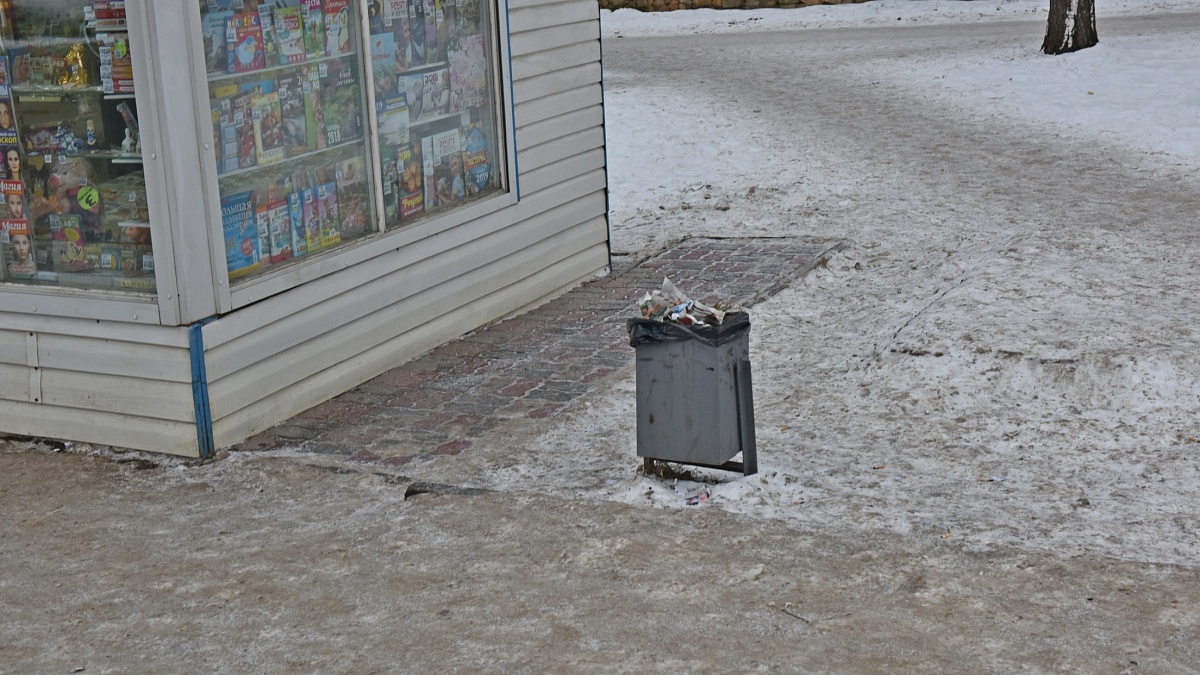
1071 27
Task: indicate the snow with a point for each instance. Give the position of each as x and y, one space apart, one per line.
1061 416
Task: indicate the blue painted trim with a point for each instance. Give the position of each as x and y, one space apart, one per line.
204 427
512 106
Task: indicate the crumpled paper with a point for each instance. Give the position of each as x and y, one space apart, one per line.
670 304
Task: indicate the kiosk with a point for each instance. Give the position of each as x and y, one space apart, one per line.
219 213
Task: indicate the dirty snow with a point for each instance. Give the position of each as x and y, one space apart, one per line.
968 376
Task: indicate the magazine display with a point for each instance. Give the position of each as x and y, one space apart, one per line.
287 91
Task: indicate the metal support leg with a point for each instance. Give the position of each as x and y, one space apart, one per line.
745 405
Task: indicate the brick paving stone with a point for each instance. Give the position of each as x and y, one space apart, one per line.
532 365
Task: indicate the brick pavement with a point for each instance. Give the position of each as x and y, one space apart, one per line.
532 365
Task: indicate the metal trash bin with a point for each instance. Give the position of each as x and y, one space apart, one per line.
695 401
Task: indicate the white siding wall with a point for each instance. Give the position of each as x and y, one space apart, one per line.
108 383
276 358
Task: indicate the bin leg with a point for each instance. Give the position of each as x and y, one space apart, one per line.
745 405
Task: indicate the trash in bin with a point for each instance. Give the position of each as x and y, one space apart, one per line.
669 304
694 394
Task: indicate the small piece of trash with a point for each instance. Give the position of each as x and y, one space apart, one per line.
613 481
881 466
785 428
947 536
699 498
993 479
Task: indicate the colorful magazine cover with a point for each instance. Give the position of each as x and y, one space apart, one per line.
216 29
434 52
337 27
412 188
477 161
314 111
20 66
447 26
17 242
468 73
435 93
352 197
314 28
244 43
291 103
416 21
383 63
13 194
289 31
467 15
262 223
296 218
243 120
241 234
268 129
327 213
281 231
444 181
393 119
67 244
311 219
340 97
413 87
266 19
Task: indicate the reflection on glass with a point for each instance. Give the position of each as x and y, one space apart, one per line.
73 206
287 113
434 77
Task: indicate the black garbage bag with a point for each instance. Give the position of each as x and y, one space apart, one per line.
646 331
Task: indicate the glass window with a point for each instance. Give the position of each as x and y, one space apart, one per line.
434 83
285 89
74 209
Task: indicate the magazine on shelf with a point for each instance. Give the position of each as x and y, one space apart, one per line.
444 182
216 30
296 219
435 93
327 214
243 121
468 73
412 85
416 23
467 15
412 187
447 26
244 43
341 99
289 31
477 162
17 242
266 19
241 233
314 28
434 52
311 219
67 245
314 114
352 197
268 129
281 230
291 104
337 27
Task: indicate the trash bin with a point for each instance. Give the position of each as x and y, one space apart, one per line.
695 403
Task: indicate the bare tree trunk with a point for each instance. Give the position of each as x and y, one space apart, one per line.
1071 27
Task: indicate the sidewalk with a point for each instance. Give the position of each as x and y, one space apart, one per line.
533 365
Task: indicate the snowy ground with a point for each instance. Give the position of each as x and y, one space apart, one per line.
1004 354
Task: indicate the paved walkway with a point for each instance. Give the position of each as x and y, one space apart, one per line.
534 364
